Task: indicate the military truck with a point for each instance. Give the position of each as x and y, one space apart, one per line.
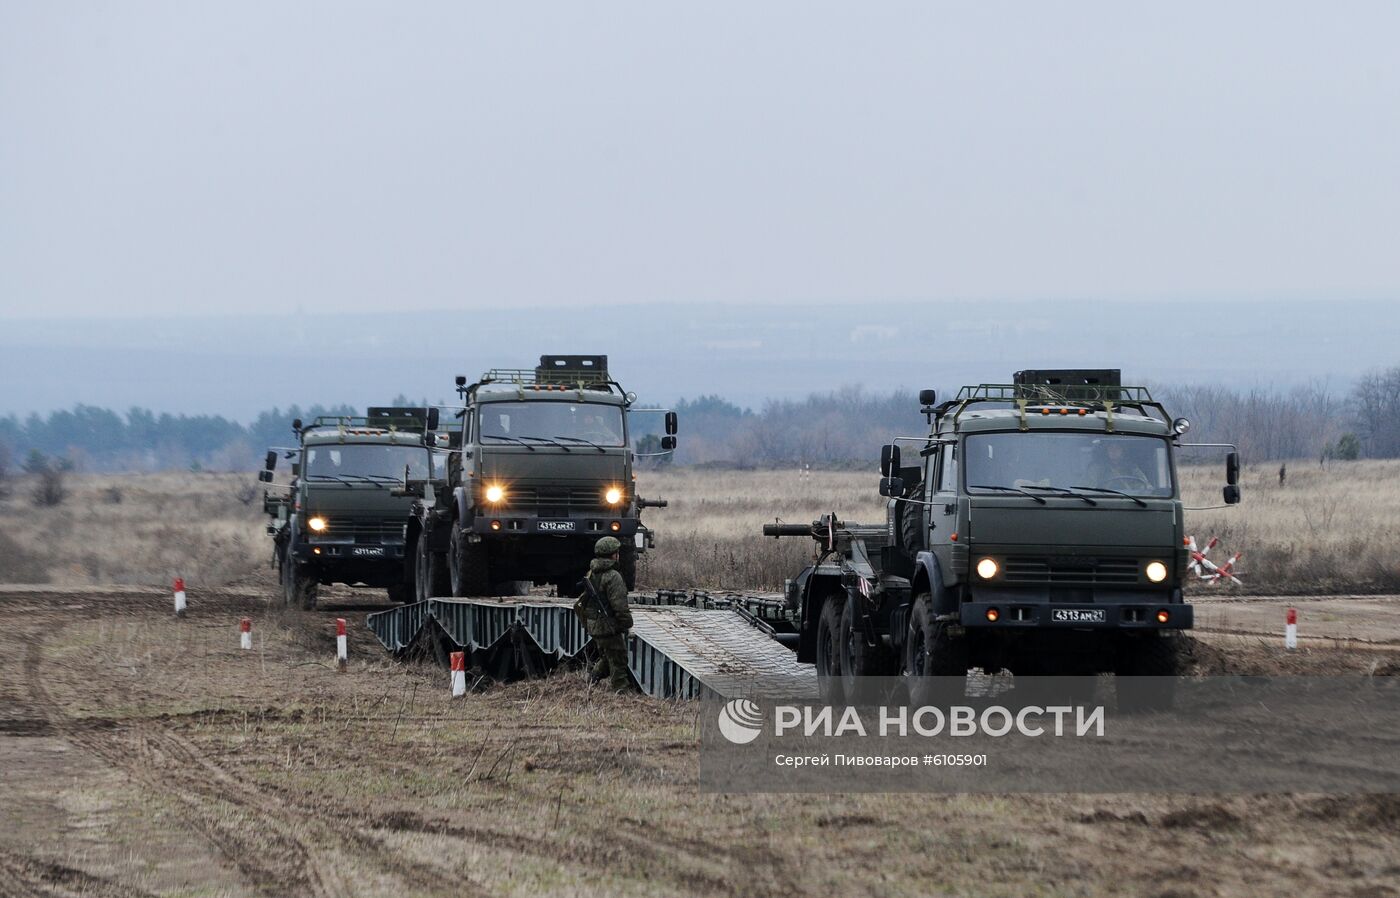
1039 529
539 467
341 517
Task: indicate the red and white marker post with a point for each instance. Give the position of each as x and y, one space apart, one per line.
459 674
245 633
179 596
342 657
1290 630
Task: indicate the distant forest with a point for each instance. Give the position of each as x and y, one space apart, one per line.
840 428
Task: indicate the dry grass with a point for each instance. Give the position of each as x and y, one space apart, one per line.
1330 529
164 526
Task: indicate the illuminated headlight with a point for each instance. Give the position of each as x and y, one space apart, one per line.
987 568
317 524
613 495
495 494
1156 571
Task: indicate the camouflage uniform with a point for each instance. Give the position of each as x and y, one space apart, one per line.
609 635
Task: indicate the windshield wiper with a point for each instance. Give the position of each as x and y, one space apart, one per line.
550 442
336 477
499 436
582 440
1060 489
1008 489
1099 489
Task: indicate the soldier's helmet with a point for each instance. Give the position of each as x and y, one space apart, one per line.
606 546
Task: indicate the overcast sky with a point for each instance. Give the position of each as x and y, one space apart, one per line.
180 157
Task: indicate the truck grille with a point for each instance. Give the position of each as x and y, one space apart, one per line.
556 501
1047 569
368 531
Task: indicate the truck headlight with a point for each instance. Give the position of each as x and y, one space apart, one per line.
1156 571
317 524
495 494
987 568
613 495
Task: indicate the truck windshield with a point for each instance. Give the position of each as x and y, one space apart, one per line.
365 461
1136 465
543 421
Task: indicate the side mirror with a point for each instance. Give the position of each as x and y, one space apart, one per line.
1232 495
1232 468
671 422
892 486
271 461
928 397
296 425
460 380
889 459
668 443
432 419
265 476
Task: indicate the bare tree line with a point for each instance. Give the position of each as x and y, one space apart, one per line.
844 428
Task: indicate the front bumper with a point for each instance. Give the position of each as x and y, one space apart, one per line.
328 553
1128 615
508 524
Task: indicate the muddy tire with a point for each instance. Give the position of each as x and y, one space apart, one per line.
860 661
829 650
298 589
430 579
935 661
1146 670
468 569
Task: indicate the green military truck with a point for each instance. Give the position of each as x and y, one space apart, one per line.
1038 530
539 467
341 517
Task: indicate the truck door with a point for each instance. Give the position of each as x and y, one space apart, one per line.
943 510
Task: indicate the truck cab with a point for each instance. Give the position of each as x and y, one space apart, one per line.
1038 529
341 519
540 467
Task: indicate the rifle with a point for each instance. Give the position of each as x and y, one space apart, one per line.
591 592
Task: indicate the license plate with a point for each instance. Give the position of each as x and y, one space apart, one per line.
1078 615
368 552
557 526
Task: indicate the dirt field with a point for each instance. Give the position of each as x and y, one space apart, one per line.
145 755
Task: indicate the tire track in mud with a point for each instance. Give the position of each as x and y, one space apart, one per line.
22 875
266 849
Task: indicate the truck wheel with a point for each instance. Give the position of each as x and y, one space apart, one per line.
627 566
860 661
911 519
935 661
467 565
1145 671
298 589
430 578
829 651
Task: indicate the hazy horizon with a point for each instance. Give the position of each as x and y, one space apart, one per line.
239 365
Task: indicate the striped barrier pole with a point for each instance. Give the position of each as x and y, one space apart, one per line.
1290 630
179 596
245 633
459 674
342 655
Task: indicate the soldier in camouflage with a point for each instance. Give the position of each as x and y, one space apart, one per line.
609 634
